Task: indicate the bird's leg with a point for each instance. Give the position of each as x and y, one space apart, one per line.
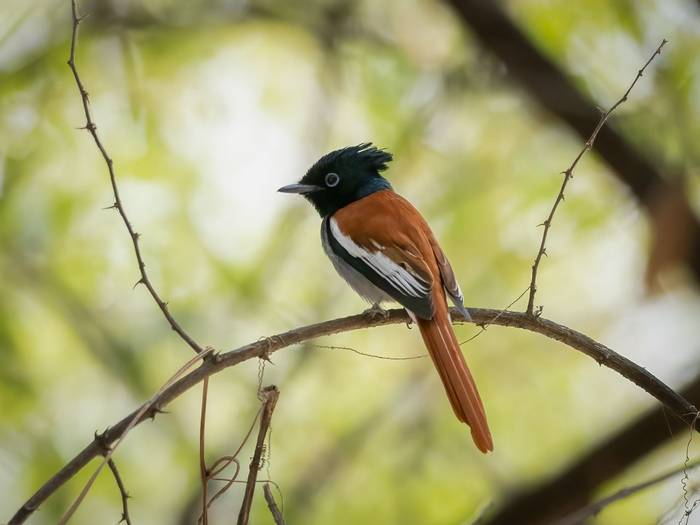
376 311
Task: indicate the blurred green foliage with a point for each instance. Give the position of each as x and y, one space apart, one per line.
207 107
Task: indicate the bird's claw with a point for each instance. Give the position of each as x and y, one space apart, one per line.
376 312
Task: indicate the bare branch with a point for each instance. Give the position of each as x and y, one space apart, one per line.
568 175
118 205
272 505
122 491
676 404
204 474
270 395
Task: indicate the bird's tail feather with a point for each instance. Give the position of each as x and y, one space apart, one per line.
459 384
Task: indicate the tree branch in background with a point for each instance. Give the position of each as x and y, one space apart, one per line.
573 487
569 174
595 508
678 406
269 395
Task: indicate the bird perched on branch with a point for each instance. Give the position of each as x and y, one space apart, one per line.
382 246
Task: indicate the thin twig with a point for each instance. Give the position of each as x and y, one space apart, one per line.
568 175
483 327
583 514
91 127
676 404
204 474
365 354
270 395
272 505
122 491
222 463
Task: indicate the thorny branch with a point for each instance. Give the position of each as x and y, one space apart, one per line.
569 174
262 349
106 445
122 492
675 403
270 395
91 127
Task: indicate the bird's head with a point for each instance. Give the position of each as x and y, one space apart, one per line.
342 177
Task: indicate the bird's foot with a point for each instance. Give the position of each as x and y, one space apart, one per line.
376 312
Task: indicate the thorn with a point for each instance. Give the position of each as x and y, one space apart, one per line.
140 281
155 411
101 440
538 311
544 252
136 236
112 207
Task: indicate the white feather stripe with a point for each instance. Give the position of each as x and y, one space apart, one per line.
399 277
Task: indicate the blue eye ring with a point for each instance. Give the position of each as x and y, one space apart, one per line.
332 179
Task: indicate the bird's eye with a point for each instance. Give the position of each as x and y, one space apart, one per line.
332 180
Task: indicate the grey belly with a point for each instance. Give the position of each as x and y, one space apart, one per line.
355 279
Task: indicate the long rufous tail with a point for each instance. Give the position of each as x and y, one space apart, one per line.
459 384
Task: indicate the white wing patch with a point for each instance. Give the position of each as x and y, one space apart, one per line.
399 277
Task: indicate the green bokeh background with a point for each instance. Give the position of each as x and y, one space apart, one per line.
206 108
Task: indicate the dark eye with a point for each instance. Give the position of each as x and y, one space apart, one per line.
332 180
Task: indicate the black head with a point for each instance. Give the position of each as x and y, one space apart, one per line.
342 177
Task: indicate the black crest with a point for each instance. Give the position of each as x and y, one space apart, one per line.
346 175
363 157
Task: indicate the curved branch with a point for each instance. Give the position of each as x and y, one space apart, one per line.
264 347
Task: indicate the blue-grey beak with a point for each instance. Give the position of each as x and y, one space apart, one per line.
302 189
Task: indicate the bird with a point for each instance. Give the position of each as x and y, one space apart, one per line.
384 249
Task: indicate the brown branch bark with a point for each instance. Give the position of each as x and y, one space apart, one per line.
269 395
675 403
